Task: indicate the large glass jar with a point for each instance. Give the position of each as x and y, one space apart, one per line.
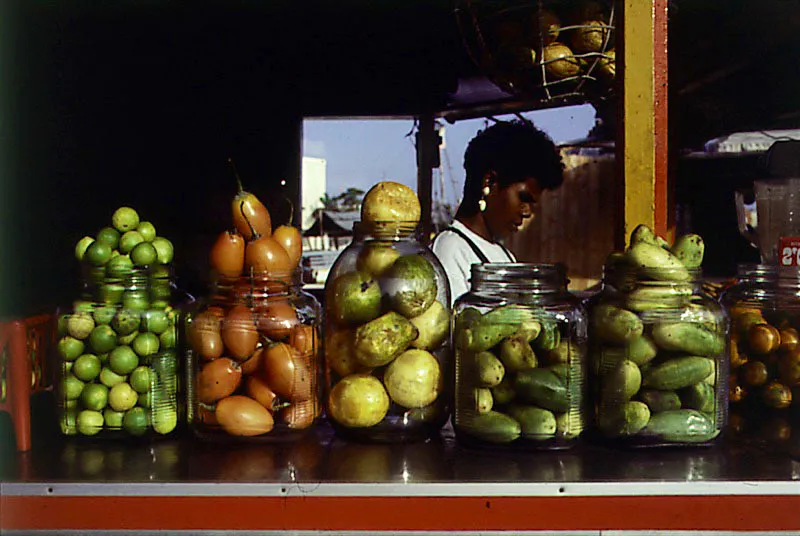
658 369
387 327
764 307
252 359
520 342
117 347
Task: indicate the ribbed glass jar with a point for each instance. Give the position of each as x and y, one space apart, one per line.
520 342
252 349
658 370
387 326
764 307
117 347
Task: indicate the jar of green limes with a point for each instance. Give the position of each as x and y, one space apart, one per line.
117 343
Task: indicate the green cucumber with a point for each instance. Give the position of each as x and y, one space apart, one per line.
681 426
516 354
490 369
659 401
549 337
534 421
615 325
627 419
688 337
700 396
620 384
689 249
678 372
543 388
657 263
493 427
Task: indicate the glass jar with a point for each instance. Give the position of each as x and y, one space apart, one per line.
764 307
118 355
658 358
387 327
520 342
252 359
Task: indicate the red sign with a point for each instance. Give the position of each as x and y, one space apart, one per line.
789 251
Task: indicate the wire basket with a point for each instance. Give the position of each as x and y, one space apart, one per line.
551 52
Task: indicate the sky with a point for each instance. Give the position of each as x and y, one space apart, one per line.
361 152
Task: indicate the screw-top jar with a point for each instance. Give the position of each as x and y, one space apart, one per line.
520 341
387 326
118 353
658 364
252 359
764 344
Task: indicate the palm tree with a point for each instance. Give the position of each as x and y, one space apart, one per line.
328 202
350 199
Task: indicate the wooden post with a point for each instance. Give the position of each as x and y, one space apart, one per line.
642 147
427 159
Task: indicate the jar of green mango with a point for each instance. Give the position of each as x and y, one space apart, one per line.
658 365
387 337
520 340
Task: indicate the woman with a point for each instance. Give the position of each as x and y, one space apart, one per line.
507 165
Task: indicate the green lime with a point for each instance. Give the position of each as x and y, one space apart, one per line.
86 367
123 360
169 338
89 422
115 253
156 321
66 366
70 348
62 325
98 253
119 267
103 314
135 421
71 404
113 418
145 399
144 254
146 344
122 397
103 357
125 219
69 422
130 240
81 247
102 339
109 378
147 230
140 379
94 396
83 306
111 293
80 325
165 420
164 249
110 236
126 322
129 338
72 387
135 299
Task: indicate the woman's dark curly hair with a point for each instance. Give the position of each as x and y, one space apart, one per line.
515 150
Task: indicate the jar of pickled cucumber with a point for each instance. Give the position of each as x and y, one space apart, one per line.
764 307
252 349
658 365
520 341
117 347
387 327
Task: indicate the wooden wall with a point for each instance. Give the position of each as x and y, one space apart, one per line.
574 224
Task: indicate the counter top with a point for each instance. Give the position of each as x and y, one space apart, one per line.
324 483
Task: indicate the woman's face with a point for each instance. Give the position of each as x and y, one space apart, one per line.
507 207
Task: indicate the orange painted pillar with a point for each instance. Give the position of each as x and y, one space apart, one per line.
642 143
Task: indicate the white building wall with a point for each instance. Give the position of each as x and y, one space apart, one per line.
314 185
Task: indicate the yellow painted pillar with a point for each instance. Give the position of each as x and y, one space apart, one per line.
642 146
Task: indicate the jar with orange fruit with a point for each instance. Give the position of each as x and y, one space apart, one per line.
764 307
253 343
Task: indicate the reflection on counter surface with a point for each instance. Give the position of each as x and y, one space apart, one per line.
322 458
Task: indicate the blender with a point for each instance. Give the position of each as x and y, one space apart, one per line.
771 220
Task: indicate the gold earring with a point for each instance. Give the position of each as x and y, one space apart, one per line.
482 202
